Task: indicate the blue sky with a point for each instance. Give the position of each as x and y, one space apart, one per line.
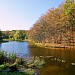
22 14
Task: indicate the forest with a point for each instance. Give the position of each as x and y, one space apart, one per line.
56 27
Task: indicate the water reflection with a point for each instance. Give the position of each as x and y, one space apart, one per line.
55 59
24 49
67 55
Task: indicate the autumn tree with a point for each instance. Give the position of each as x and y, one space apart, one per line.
57 26
69 8
46 28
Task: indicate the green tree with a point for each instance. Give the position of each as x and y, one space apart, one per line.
19 35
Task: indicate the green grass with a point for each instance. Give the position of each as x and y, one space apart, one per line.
13 73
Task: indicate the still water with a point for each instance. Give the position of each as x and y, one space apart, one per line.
24 48
20 48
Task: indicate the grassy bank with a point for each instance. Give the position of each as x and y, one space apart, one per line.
51 46
15 40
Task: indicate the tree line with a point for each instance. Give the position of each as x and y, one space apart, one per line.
15 35
56 26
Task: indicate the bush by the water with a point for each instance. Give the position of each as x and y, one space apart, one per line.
12 63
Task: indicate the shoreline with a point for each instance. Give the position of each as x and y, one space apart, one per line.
45 45
51 46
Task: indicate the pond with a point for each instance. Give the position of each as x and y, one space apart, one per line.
24 48
20 48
